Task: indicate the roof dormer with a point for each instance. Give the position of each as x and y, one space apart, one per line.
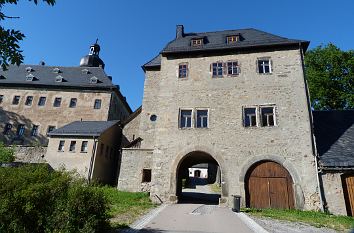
29 69
94 79
30 78
85 71
196 42
231 39
56 70
2 77
59 79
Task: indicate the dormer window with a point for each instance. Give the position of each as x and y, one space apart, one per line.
30 78
85 71
2 77
232 39
197 42
56 70
94 80
59 79
29 69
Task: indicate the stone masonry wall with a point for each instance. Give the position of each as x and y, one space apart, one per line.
131 130
333 191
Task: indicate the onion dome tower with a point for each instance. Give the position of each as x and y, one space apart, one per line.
92 59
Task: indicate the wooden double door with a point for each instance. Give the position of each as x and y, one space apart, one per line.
348 190
269 185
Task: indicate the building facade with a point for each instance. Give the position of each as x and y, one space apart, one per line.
236 99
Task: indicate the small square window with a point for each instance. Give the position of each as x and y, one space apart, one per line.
61 145
7 129
197 42
232 39
34 131
97 104
264 66
50 128
84 146
72 103
202 119
218 69
183 70
57 102
249 117
20 130
72 146
185 119
42 100
267 115
16 100
146 176
1 98
232 68
29 100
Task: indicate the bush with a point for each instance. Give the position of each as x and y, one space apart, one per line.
35 199
6 154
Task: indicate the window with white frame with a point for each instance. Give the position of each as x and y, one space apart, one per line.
73 102
16 100
183 70
42 100
57 102
185 118
84 146
264 66
97 104
218 69
61 145
232 68
202 118
267 116
34 131
249 117
72 146
197 42
29 100
20 130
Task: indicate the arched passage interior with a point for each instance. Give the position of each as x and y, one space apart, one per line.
269 185
189 192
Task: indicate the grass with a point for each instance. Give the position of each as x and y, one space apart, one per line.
314 218
216 188
126 207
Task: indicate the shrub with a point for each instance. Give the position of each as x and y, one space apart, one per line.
6 154
35 199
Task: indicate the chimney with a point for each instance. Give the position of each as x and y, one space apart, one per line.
179 31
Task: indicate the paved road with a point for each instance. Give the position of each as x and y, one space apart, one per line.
196 218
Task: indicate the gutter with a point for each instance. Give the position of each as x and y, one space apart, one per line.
93 158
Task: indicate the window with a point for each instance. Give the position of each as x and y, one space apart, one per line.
57 102
50 128
197 42
41 101
16 100
34 131
249 117
264 66
97 104
146 176
1 98
59 79
72 146
29 100
20 130
30 78
61 145
233 68
183 70
267 116
72 103
56 70
94 80
7 129
185 119
202 119
217 69
84 146
232 39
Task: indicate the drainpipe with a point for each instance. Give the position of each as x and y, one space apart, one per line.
93 158
314 149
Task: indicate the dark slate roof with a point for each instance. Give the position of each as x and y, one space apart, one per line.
73 77
216 41
334 132
83 128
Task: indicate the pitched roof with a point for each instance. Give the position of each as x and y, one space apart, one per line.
83 128
216 41
49 76
334 133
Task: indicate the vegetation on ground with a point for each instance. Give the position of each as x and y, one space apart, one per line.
216 188
314 218
6 154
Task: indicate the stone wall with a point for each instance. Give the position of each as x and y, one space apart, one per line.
131 130
30 154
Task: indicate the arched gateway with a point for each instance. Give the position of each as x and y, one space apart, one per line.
269 185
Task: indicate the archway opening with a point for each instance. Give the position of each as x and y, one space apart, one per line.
198 179
269 185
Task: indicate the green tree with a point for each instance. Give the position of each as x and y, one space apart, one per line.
6 154
330 76
10 52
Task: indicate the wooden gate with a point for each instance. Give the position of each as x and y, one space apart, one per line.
269 185
348 189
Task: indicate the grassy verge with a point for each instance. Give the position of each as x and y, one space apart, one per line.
314 218
126 207
215 188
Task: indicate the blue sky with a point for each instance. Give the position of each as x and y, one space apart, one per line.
132 32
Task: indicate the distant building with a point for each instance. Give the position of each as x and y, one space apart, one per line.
199 171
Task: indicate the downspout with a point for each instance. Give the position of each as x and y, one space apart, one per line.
93 158
314 149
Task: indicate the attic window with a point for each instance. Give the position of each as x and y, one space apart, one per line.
56 70
232 39
30 78
85 71
29 69
59 79
197 42
94 80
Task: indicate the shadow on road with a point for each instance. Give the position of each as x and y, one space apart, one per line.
198 192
